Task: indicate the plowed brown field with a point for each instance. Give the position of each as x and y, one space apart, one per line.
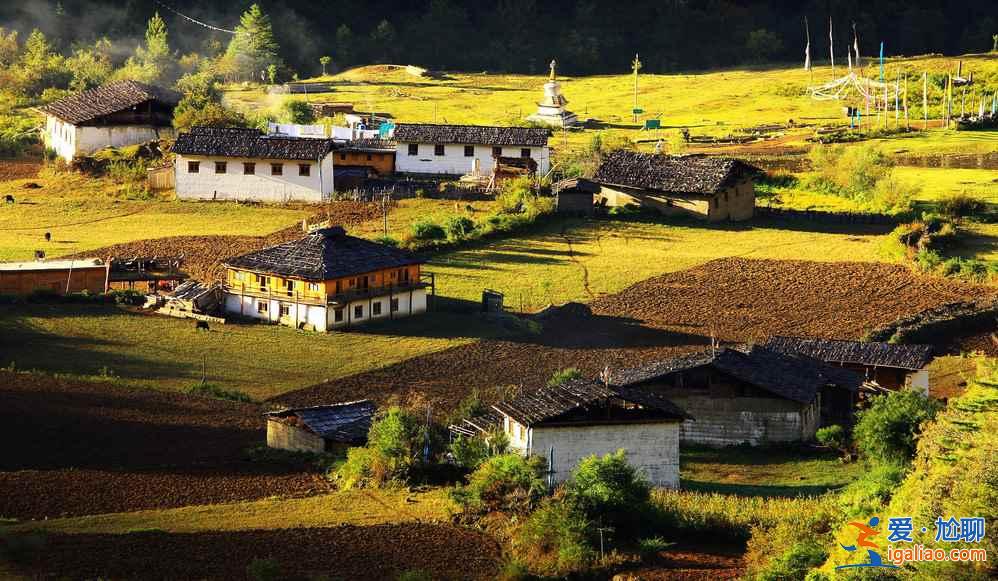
76 447
203 255
346 552
733 299
18 170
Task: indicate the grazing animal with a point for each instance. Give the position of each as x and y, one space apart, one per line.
202 326
8 199
48 237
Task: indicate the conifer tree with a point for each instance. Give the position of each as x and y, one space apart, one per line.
253 47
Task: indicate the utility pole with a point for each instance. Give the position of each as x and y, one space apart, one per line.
636 66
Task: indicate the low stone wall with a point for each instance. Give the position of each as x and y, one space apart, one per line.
940 323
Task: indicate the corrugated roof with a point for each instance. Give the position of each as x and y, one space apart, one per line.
107 99
342 422
856 352
552 401
694 174
324 254
250 143
470 134
789 375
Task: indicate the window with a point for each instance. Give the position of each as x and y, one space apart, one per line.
220 167
193 166
285 310
304 169
395 305
343 156
338 291
358 312
277 169
262 308
313 287
375 309
496 151
338 315
413 149
469 151
525 152
369 158
261 281
249 168
289 287
438 150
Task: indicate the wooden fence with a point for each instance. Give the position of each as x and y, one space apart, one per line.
161 178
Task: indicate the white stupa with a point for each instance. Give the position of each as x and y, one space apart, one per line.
551 110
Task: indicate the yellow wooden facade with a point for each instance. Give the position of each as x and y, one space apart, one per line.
248 282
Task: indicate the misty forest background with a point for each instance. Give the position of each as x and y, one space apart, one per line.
589 36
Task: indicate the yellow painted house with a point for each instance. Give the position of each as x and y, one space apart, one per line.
326 280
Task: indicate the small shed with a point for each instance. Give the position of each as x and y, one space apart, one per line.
56 276
575 196
320 428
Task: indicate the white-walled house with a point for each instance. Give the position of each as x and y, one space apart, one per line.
324 281
116 114
214 163
464 149
579 418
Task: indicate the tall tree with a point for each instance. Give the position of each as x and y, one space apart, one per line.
253 47
8 47
90 66
152 63
40 66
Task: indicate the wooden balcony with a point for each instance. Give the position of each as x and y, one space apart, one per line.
427 280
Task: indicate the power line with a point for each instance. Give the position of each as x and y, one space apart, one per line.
185 17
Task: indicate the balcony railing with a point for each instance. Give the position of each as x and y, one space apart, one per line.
427 280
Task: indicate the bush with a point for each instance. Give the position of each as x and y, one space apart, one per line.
508 482
263 570
458 227
832 436
470 453
794 562
553 541
387 241
297 111
217 392
651 546
867 494
961 205
562 375
126 171
886 431
128 297
394 446
428 230
609 491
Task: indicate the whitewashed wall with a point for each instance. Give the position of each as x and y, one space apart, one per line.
367 308
454 162
320 317
651 447
919 381
261 186
69 140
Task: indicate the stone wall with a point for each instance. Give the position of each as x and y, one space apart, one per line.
751 420
285 437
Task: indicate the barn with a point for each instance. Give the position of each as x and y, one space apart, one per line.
424 148
748 395
320 428
575 196
216 163
568 422
893 366
55 276
708 188
113 115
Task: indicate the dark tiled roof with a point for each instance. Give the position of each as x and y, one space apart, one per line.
553 401
856 352
470 134
322 255
573 185
342 422
376 145
694 174
477 425
789 375
107 99
250 143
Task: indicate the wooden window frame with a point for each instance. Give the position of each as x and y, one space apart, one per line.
249 168
338 315
439 150
221 167
305 170
358 311
262 307
394 307
525 152
376 308
413 149
277 169
285 310
497 151
193 167
469 151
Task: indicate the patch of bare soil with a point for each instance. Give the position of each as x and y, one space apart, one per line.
203 255
734 300
688 562
76 447
345 552
18 170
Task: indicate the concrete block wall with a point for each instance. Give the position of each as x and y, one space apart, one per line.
285 437
733 421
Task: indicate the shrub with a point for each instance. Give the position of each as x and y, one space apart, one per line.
458 227
651 546
387 241
960 205
126 171
553 541
217 392
263 570
794 562
869 492
128 297
297 111
428 230
470 452
886 431
609 491
562 375
832 436
508 482
394 445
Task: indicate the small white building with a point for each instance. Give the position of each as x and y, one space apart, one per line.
580 418
116 114
466 149
325 281
323 428
214 163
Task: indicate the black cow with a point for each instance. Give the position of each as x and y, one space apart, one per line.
8 199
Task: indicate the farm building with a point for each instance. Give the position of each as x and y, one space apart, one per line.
575 196
320 428
244 164
112 115
55 276
889 365
749 395
466 149
360 159
579 418
708 188
324 281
